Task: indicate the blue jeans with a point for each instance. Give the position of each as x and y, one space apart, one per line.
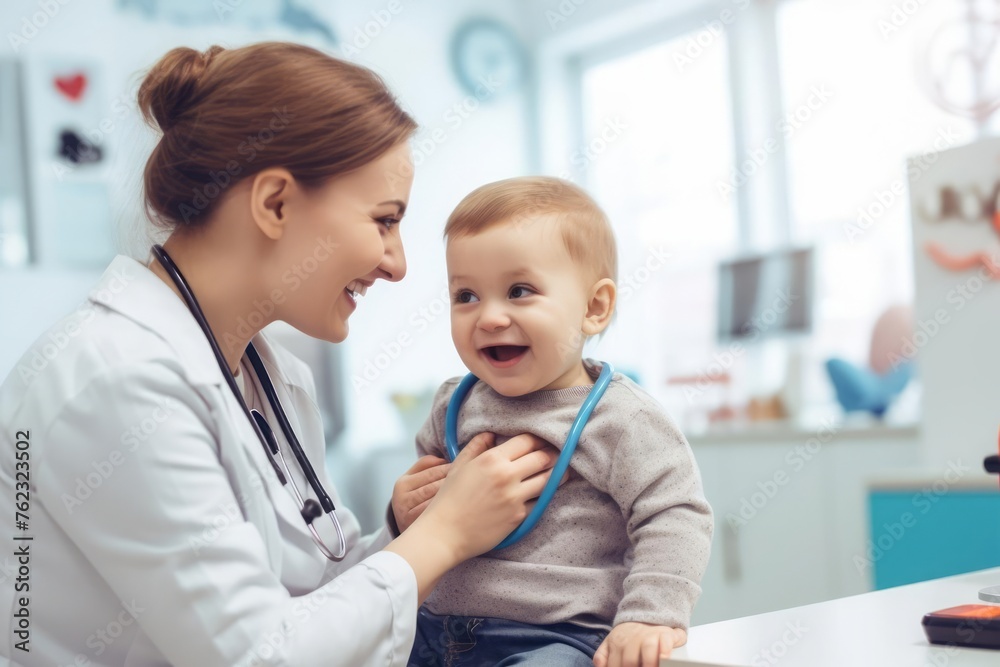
466 641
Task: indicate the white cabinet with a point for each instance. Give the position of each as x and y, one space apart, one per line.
791 512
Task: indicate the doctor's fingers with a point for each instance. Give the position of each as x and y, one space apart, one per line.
476 446
531 488
415 478
533 463
419 509
427 462
523 444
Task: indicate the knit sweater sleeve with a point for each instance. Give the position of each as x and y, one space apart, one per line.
655 481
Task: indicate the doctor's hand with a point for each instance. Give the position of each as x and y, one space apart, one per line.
488 491
414 491
638 645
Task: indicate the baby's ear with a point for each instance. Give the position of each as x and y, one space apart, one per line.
600 307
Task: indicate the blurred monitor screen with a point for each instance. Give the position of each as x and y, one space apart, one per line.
766 295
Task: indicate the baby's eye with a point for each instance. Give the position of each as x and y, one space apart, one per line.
465 296
518 291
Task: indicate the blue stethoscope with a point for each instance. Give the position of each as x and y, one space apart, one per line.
451 444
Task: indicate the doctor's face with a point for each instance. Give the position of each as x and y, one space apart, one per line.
344 237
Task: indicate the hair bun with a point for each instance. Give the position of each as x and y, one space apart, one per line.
166 92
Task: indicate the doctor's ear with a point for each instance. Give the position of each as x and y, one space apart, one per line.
269 197
600 307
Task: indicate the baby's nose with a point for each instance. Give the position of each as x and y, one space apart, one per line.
493 317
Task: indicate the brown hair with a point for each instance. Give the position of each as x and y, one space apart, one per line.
227 114
522 201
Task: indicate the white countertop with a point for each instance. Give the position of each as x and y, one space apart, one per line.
878 629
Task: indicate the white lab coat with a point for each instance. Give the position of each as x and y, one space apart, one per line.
161 535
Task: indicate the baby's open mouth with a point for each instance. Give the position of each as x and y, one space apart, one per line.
503 354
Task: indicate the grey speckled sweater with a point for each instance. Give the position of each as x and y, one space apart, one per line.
626 538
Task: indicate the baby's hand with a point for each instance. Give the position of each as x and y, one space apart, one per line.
417 488
638 645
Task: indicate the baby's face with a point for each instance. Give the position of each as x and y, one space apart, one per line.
518 303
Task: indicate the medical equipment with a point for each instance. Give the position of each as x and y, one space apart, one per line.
451 444
975 625
309 508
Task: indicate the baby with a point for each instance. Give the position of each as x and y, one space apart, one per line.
613 566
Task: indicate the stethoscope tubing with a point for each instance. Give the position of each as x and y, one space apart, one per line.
310 510
562 464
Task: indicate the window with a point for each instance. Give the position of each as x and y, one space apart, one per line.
844 77
658 133
657 130
853 65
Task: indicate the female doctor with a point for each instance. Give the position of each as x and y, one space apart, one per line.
161 532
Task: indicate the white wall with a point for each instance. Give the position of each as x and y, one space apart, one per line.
411 51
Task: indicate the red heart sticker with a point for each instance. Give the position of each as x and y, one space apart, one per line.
71 86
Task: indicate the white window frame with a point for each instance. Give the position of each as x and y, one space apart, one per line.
762 204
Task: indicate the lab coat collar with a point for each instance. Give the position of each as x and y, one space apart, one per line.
131 289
